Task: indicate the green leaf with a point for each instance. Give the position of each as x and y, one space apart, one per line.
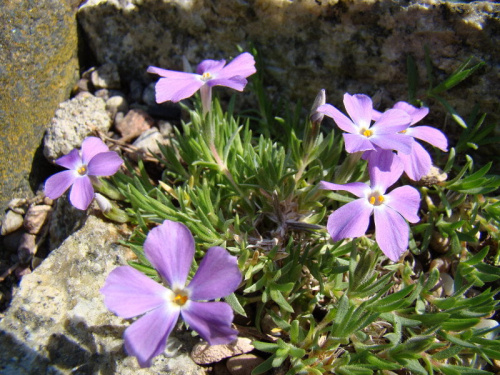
277 297
233 301
461 370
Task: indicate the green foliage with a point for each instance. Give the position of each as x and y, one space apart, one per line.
250 184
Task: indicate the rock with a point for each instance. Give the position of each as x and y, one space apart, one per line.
488 323
18 205
135 90
340 45
75 120
57 322
106 77
116 104
36 217
166 128
243 364
28 247
147 143
203 353
135 122
38 68
11 222
83 85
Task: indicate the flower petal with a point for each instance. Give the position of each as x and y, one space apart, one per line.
212 321
391 232
237 82
218 276
359 189
57 184
91 146
398 142
170 73
391 121
104 164
129 293
385 169
242 65
359 107
415 113
170 249
176 89
342 121
405 200
210 66
81 193
71 161
417 163
357 142
147 336
350 220
430 135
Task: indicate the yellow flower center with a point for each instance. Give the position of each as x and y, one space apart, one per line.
180 298
366 132
402 131
376 199
82 171
206 76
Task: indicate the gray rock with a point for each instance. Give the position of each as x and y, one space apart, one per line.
57 322
106 77
38 67
75 120
11 222
147 143
340 45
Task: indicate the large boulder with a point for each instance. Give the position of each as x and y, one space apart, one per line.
341 45
58 323
38 66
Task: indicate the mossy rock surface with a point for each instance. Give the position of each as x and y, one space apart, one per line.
38 67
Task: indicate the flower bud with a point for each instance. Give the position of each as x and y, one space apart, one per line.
315 116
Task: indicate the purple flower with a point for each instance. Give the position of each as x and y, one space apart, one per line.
390 210
361 135
95 160
175 86
170 249
418 162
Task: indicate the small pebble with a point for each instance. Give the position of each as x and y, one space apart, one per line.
135 91
27 248
18 205
147 143
166 128
36 217
243 364
11 222
203 353
134 123
116 104
106 76
149 94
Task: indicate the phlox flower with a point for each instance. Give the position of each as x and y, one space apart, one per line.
418 162
95 159
170 249
361 135
390 210
175 86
